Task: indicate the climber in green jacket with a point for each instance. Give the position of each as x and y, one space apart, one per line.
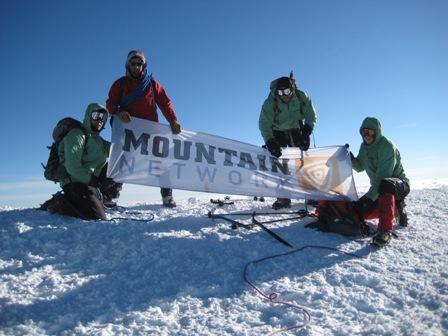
287 119
389 185
83 153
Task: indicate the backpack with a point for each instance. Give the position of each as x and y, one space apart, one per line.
339 217
54 170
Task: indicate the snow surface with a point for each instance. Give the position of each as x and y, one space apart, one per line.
182 274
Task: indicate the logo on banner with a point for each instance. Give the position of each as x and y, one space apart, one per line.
319 173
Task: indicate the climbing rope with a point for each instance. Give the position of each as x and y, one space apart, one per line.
149 214
274 297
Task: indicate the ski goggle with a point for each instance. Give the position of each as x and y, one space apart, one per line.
367 131
99 115
284 92
136 64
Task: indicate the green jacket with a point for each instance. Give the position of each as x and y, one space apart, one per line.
280 116
380 160
83 153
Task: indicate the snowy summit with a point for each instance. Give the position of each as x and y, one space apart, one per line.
149 270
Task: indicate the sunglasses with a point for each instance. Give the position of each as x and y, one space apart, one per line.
367 131
136 64
284 92
99 115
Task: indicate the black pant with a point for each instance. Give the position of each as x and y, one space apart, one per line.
166 192
393 185
292 138
82 201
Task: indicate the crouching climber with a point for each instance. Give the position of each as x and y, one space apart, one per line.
389 186
78 161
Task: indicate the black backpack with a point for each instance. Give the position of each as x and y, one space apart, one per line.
54 170
339 217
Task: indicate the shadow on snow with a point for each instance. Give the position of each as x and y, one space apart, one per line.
135 265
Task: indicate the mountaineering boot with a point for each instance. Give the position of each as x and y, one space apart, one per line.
168 202
56 204
110 191
386 212
281 203
402 214
382 238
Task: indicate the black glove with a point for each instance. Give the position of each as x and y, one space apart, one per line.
352 157
307 130
94 181
304 143
363 205
274 147
304 140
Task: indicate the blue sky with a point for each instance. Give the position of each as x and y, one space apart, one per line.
386 59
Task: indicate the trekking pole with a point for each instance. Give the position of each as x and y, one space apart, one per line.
228 201
298 212
273 234
221 202
235 224
281 220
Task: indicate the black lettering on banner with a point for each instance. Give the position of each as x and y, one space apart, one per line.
262 162
282 166
160 146
246 159
201 152
177 149
228 156
129 138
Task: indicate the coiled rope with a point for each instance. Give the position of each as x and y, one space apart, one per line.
274 297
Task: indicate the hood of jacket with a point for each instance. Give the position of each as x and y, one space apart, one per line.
372 123
87 115
135 54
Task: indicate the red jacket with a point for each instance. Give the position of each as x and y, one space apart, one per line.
143 107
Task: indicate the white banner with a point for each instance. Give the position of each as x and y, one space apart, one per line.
147 153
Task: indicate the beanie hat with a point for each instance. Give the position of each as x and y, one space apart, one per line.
284 83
